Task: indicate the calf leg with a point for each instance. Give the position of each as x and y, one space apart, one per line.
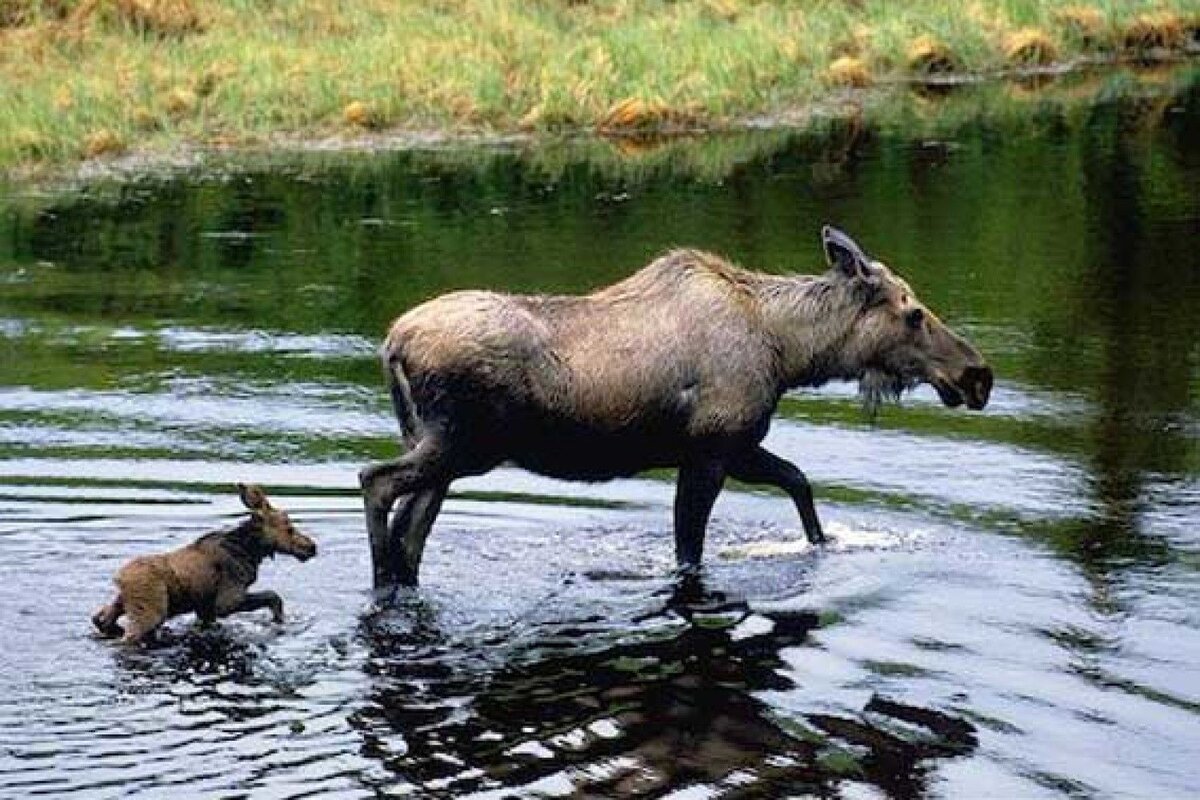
106 618
422 468
146 606
256 600
406 537
696 490
141 623
757 465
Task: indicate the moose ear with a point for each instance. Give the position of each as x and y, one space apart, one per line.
253 497
844 254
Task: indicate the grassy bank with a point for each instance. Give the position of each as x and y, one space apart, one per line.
81 78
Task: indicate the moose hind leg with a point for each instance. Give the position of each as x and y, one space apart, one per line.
382 483
147 606
697 488
142 623
761 466
410 528
106 618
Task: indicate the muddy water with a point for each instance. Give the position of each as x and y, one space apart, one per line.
1009 605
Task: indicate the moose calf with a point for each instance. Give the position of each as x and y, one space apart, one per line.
209 576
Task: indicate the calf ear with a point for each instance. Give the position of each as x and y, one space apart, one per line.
253 497
844 254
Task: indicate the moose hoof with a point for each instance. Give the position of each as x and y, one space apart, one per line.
106 628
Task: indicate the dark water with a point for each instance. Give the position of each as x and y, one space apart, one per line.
1010 605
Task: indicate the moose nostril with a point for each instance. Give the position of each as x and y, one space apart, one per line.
978 382
985 381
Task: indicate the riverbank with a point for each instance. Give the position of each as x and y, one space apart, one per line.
100 78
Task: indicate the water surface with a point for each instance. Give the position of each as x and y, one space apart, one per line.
1009 606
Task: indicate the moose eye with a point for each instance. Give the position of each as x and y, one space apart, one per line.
914 319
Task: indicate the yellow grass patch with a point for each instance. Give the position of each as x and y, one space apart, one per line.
634 114
929 56
362 115
1153 31
726 10
1030 46
64 99
848 71
181 101
530 119
102 142
143 119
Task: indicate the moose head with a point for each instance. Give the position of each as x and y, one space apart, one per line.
898 343
271 526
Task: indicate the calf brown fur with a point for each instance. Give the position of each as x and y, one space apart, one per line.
209 576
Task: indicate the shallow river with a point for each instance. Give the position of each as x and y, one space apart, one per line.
1010 605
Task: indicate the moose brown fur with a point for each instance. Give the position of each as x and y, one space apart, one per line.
210 576
680 365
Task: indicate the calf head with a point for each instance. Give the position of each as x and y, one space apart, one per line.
272 527
895 342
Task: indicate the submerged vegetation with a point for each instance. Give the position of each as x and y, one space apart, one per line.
85 78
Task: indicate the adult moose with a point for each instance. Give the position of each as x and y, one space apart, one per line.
679 365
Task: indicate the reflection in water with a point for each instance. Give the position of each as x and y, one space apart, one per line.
632 708
1144 384
1009 606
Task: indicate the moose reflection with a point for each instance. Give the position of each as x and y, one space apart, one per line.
671 702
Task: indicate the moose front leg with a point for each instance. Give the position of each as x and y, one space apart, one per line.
760 466
695 492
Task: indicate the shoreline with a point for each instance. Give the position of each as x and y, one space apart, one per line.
944 103
158 80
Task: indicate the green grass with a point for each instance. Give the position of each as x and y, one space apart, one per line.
102 76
